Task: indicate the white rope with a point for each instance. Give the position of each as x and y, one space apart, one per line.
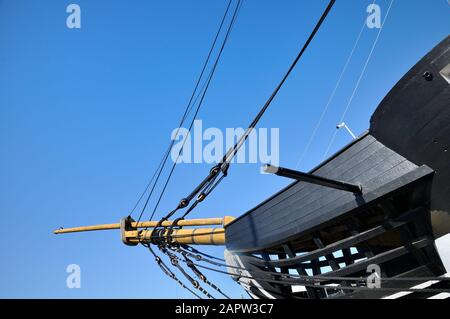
359 80
331 97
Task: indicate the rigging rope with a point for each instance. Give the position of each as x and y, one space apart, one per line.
289 279
198 273
315 281
358 82
189 251
209 182
195 251
166 270
315 278
225 162
148 185
333 93
185 114
230 154
174 259
296 281
230 27
308 280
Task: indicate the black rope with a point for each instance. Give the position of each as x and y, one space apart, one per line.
159 235
174 261
230 27
204 89
170 274
199 256
298 281
208 183
289 279
318 278
166 270
196 251
304 278
198 273
186 112
206 191
148 185
232 152
225 162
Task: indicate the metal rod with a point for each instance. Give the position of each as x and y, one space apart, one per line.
343 125
313 179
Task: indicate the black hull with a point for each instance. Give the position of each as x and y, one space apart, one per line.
403 164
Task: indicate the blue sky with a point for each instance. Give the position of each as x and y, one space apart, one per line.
86 114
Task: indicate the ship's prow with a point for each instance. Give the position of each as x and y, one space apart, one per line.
400 222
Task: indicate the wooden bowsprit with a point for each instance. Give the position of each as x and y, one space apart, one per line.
153 232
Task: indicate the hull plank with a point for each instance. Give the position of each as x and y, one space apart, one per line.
368 162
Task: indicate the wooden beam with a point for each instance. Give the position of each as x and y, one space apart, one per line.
150 224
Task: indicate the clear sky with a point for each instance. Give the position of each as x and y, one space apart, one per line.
86 114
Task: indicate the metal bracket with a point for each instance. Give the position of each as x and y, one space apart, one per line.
125 225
